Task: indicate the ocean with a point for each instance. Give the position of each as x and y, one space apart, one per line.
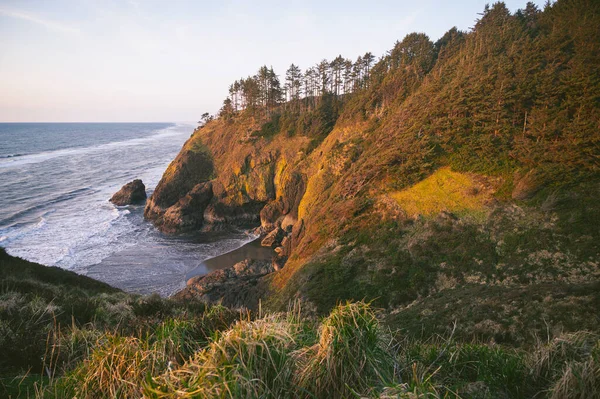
55 183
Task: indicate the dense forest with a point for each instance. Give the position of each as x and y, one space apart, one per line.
519 89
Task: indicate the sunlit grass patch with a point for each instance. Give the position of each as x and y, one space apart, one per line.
116 368
444 190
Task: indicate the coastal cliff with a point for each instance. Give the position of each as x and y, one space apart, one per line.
222 179
433 218
445 172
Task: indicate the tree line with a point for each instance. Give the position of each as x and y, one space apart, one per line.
264 90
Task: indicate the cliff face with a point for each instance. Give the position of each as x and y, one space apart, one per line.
447 172
222 178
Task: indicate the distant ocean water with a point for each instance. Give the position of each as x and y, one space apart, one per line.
55 182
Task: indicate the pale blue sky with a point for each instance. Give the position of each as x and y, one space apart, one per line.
109 60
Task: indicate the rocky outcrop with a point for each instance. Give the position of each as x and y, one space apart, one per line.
131 193
217 182
180 198
188 213
236 286
274 238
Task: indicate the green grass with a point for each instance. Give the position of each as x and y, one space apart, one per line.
153 347
444 190
519 270
52 321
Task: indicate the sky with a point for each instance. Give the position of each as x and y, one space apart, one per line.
150 61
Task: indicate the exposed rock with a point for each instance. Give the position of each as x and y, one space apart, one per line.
232 287
250 267
251 183
286 247
283 252
192 166
293 191
188 213
221 216
297 232
131 193
271 214
273 239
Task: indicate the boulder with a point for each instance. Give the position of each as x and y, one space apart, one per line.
234 286
250 267
188 213
273 239
271 214
131 193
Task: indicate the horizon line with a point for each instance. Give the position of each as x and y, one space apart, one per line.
195 122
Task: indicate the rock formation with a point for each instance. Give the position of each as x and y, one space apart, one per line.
233 286
223 186
131 193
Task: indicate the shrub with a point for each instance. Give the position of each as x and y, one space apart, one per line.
350 355
250 360
116 368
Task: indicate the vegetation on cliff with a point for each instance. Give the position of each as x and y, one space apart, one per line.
452 185
446 167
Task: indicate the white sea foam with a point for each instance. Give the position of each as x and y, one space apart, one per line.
15 160
60 215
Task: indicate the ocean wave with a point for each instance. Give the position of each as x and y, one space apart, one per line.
18 160
81 240
12 155
20 230
27 211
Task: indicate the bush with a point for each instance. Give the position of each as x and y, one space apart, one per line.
116 368
250 360
350 355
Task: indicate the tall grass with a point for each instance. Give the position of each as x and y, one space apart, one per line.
115 369
250 360
548 359
580 380
221 353
351 355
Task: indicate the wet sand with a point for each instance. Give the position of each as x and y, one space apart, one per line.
251 250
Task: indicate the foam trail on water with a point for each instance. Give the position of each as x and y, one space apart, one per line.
58 213
15 160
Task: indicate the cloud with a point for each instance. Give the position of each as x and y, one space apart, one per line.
48 24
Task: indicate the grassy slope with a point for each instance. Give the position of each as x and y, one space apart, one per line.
454 141
120 345
50 319
347 353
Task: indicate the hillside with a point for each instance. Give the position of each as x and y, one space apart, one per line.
464 168
435 220
66 336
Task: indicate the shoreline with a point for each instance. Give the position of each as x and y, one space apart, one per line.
251 250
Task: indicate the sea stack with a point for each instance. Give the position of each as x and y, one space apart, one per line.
131 193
